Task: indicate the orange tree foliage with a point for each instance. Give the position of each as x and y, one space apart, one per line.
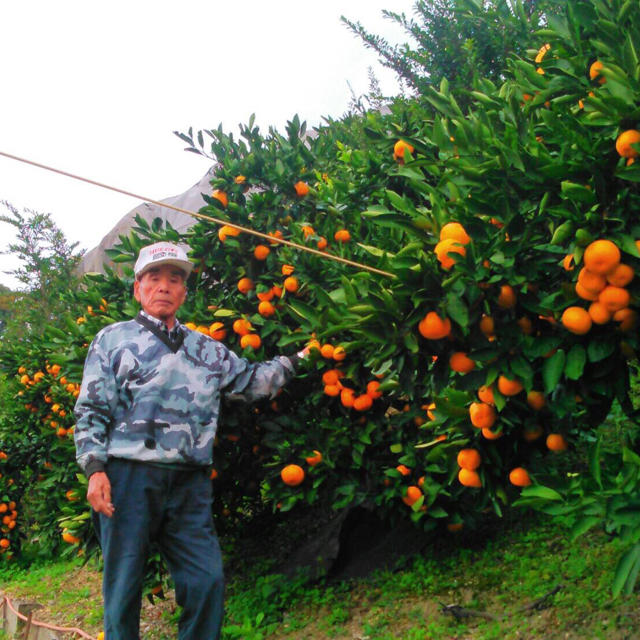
531 173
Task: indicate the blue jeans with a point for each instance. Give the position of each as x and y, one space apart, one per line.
173 508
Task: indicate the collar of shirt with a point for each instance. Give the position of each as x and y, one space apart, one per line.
172 334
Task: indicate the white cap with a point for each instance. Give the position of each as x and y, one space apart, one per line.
162 253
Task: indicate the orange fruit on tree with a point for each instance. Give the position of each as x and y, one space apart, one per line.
444 248
221 197
469 459
482 415
339 353
245 285
242 326
217 331
598 313
362 403
277 291
291 284
404 470
4 543
251 340
626 319
430 408
519 477
568 262
265 296
277 234
332 376
372 389
347 397
433 327
266 309
342 235
322 243
532 433
469 478
576 320
455 527
302 188
507 297
315 459
591 281
485 394
308 231
227 231
461 363
400 147
454 231
601 256
412 495
326 350
624 142
261 252
491 435
333 389
595 71
509 387
292 475
69 538
536 400
556 442
240 179
487 325
585 294
525 324
202 329
614 298
287 269
621 275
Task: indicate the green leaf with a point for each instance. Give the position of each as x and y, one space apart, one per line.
457 310
576 359
552 370
624 571
600 349
538 491
400 203
583 525
305 311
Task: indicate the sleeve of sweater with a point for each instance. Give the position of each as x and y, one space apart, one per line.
252 381
94 409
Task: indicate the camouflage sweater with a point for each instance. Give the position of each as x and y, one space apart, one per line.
148 397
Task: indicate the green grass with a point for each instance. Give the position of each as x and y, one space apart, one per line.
497 572
498 575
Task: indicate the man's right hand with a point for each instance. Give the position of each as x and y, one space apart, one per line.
99 493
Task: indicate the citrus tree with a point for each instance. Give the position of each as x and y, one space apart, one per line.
493 333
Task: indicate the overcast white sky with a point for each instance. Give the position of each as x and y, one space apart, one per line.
97 89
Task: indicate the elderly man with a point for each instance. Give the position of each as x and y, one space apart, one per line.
147 416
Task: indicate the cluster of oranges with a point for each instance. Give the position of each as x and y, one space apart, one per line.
601 282
412 493
602 266
8 515
333 387
453 239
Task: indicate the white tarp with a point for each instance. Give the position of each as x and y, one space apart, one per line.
191 200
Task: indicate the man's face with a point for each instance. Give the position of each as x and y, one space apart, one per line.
161 291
